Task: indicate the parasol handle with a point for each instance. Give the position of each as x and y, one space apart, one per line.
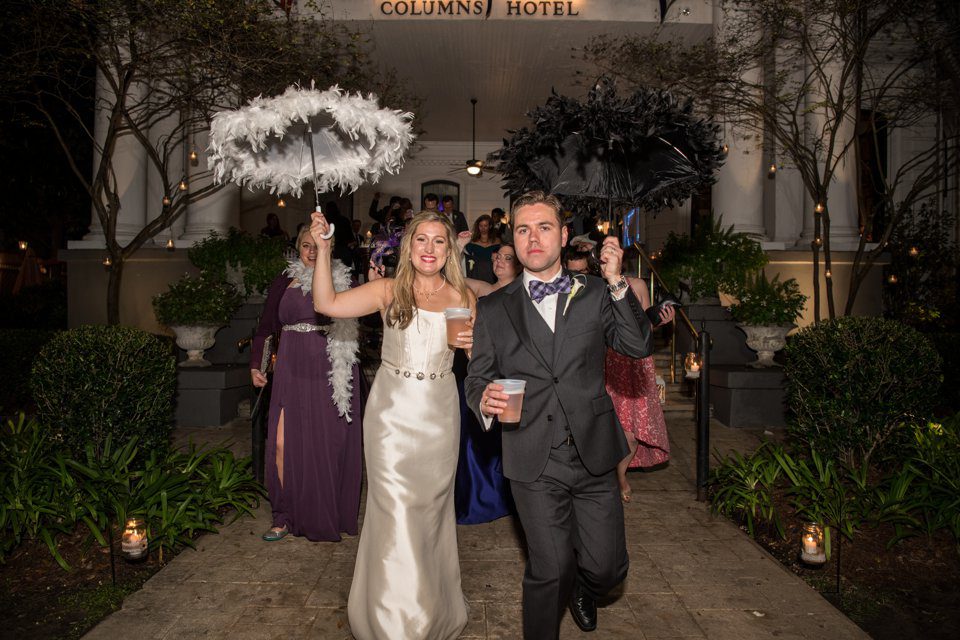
329 233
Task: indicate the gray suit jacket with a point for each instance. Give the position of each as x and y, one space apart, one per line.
571 378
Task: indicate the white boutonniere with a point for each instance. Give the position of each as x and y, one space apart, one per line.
470 264
579 282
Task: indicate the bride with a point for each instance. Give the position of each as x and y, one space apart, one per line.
406 583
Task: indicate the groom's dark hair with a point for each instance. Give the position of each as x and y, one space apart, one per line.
538 197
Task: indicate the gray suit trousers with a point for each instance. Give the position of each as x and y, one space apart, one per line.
573 523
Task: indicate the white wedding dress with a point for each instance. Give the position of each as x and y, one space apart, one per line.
406 584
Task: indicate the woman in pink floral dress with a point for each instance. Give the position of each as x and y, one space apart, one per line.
632 383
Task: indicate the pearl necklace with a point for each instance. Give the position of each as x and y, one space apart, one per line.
426 295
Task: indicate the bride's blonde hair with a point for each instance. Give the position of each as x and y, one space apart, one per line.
400 311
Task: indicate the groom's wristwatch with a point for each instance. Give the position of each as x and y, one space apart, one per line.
618 289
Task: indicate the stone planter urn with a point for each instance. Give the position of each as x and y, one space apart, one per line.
194 339
766 340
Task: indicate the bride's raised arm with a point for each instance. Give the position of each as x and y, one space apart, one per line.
353 303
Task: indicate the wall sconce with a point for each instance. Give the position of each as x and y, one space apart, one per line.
134 543
811 544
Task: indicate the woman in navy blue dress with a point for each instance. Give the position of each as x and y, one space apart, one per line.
481 492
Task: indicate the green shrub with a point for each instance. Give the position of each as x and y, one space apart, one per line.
260 258
714 259
762 302
35 493
44 491
935 456
743 488
19 348
196 301
854 383
94 381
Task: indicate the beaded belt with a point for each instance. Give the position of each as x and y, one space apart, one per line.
304 327
419 375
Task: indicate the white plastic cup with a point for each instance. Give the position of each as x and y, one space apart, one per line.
457 318
514 390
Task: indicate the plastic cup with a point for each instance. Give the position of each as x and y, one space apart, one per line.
514 390
457 318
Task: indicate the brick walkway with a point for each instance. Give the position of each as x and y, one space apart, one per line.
692 575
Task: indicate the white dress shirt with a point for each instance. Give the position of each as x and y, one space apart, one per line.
547 308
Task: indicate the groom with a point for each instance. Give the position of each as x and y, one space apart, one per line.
551 330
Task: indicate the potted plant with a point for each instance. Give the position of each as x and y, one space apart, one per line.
712 260
766 311
195 308
249 263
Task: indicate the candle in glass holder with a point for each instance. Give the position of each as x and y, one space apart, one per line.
811 544
133 543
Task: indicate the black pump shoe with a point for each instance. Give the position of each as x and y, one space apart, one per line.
583 608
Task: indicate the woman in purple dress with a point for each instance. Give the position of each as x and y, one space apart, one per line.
313 453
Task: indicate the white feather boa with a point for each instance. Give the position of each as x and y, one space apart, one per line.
342 345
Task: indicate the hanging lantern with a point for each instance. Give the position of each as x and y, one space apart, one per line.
194 159
914 252
166 201
281 203
23 245
819 208
691 366
772 171
183 185
811 544
827 274
725 149
107 262
134 543
817 241
170 245
892 278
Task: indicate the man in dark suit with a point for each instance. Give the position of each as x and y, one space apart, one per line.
551 328
457 218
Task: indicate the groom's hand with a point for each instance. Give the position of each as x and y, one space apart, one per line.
611 259
493 401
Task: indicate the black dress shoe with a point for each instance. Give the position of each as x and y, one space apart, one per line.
583 608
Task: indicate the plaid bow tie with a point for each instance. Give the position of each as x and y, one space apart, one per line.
540 290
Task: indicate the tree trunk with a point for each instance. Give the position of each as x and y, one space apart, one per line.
113 290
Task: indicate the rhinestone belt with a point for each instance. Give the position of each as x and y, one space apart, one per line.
419 375
304 327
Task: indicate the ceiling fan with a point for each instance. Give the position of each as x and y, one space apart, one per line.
474 166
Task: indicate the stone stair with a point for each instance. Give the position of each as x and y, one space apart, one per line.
679 403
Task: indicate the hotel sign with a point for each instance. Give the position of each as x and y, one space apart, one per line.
482 9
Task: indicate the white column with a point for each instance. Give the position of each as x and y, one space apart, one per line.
216 212
129 164
842 190
737 194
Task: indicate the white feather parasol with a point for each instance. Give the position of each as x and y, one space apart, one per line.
269 142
